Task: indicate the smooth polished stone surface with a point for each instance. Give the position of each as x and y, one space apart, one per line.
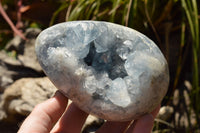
108 70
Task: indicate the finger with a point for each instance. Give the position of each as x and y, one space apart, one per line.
45 115
142 125
113 127
155 111
71 121
145 123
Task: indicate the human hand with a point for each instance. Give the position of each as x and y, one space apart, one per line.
52 116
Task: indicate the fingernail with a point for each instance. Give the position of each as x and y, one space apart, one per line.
57 94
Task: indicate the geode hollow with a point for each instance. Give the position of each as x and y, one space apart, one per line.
107 70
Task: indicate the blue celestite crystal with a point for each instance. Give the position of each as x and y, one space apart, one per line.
108 70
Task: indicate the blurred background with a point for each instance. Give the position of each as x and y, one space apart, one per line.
172 24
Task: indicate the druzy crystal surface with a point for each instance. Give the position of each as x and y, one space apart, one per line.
108 70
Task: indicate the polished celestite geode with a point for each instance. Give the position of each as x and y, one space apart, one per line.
107 70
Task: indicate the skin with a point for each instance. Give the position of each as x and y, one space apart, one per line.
54 116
